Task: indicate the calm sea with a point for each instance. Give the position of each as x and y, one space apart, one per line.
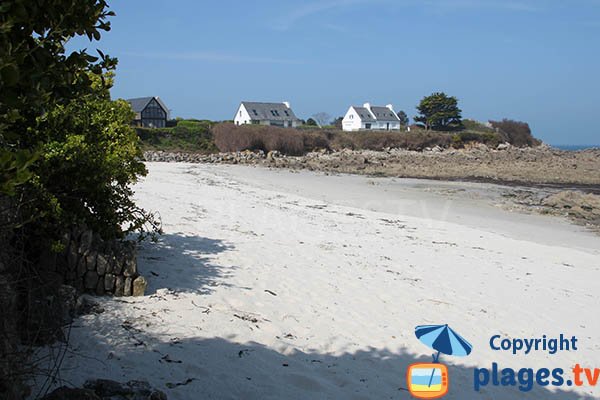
577 147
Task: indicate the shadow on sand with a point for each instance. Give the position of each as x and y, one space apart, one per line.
216 368
183 263
221 368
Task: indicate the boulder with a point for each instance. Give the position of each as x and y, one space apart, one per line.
90 260
85 241
109 282
81 267
139 286
119 286
100 286
130 266
101 264
90 280
127 286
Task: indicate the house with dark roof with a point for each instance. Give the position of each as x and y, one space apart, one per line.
274 114
370 117
150 112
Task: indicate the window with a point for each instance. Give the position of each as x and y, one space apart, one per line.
367 126
254 111
286 113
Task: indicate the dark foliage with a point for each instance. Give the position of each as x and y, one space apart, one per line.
439 112
311 122
403 118
337 123
516 133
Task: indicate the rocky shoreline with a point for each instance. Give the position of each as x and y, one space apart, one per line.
544 179
541 165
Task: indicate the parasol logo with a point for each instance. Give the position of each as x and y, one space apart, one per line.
431 380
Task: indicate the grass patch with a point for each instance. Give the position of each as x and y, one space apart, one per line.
194 136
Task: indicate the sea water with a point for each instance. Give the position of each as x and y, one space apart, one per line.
577 147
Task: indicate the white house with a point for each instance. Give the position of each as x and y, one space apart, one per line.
370 117
274 114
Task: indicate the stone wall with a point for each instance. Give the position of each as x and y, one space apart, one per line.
100 267
240 157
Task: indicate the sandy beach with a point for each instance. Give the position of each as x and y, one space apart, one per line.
273 284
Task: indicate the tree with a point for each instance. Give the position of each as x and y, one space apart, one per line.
403 118
322 118
311 122
439 112
35 72
64 144
338 122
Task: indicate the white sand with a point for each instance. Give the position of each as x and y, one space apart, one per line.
280 285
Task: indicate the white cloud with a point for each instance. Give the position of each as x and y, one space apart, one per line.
523 5
288 20
285 22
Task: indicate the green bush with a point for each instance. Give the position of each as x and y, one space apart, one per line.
491 139
186 136
90 157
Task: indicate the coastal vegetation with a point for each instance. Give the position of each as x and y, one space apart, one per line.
186 135
439 112
439 124
210 137
68 158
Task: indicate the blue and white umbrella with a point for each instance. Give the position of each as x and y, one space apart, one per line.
443 339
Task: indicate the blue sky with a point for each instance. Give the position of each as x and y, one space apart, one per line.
532 60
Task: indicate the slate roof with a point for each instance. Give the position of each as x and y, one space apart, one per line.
138 104
364 114
269 111
384 114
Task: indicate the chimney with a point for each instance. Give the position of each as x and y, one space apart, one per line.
367 106
287 104
391 107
